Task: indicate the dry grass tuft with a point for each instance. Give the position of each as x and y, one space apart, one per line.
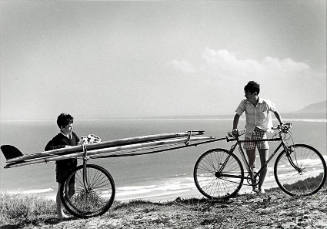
25 209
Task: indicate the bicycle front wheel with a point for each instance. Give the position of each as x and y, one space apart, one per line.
218 174
88 193
300 171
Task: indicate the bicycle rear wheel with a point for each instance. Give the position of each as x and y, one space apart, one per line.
218 174
301 171
91 198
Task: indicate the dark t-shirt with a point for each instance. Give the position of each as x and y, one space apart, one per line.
63 167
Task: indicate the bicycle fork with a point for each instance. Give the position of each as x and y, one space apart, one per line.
289 151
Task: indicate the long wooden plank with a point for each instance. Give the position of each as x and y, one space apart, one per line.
93 153
106 144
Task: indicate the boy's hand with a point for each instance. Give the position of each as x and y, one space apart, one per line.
235 132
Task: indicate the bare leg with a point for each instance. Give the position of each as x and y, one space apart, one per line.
263 154
251 157
60 213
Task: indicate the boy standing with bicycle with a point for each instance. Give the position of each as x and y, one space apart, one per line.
258 122
65 138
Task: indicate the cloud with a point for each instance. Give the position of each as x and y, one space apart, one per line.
225 65
283 80
223 62
183 66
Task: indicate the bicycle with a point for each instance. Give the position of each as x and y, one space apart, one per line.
89 190
299 169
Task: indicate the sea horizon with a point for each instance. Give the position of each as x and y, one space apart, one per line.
286 115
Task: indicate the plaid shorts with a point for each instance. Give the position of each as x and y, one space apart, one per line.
256 135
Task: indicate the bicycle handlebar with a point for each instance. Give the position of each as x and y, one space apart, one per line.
284 128
231 137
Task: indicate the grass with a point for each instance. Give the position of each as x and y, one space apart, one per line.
30 210
303 185
24 209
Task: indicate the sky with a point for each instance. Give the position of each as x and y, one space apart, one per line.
109 59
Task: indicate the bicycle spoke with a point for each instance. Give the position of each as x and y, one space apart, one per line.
301 172
92 200
207 173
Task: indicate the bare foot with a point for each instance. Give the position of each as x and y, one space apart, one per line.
62 215
261 190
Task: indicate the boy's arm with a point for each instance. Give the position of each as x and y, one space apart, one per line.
51 145
235 124
277 115
240 109
235 121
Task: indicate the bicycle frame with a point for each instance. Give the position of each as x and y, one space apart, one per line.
239 145
299 169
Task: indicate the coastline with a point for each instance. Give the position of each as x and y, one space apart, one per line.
162 190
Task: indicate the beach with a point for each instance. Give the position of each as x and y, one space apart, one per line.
155 177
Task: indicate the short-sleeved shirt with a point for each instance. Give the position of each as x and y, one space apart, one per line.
256 116
63 167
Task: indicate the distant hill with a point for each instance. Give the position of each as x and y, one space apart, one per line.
320 107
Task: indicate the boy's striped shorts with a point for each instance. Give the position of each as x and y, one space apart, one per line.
256 135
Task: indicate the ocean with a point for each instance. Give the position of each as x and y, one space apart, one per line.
161 176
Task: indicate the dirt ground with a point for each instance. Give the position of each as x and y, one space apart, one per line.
271 210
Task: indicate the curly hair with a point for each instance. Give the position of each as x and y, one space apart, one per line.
64 119
252 87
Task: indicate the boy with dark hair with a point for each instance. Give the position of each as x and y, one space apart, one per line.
65 138
258 122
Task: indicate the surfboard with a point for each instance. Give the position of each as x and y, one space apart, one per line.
151 146
13 155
